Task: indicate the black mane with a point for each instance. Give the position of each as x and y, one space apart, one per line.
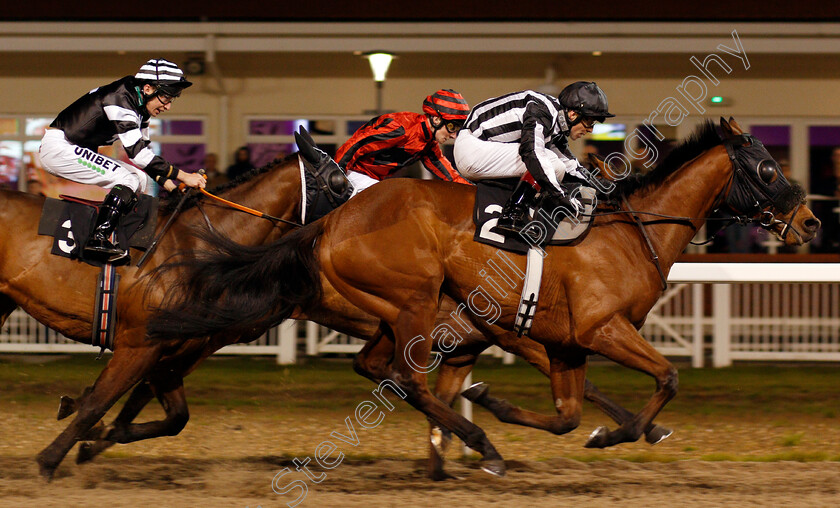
701 140
169 203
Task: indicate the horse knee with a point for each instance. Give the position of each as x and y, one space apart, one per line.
670 383
567 419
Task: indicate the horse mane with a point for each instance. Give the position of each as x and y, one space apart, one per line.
702 139
169 203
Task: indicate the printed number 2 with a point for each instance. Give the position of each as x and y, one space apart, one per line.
490 224
67 246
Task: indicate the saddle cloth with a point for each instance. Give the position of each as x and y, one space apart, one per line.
70 224
544 229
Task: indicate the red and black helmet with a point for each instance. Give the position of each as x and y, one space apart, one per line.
447 104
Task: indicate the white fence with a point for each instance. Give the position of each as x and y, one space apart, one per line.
751 311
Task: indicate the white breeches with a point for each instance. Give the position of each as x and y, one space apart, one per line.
477 159
360 181
62 158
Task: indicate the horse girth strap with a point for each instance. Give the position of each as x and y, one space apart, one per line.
655 257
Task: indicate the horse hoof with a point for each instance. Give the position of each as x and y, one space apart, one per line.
598 438
47 471
440 475
475 392
496 467
66 407
86 453
440 438
658 434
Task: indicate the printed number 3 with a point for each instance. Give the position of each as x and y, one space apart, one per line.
67 246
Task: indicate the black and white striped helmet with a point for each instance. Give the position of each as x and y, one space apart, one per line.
164 75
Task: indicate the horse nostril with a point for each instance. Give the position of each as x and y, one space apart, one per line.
812 224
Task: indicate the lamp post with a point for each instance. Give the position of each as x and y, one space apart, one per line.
379 63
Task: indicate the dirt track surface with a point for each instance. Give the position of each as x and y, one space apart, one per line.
768 445
384 483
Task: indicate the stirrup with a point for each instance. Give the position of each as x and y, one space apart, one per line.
508 228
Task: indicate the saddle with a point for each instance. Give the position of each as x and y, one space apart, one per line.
551 225
71 220
325 186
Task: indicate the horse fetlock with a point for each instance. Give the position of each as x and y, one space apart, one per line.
440 439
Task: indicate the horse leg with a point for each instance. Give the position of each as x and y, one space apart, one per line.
451 375
167 385
534 353
409 372
7 306
567 384
126 368
139 398
653 433
619 341
375 358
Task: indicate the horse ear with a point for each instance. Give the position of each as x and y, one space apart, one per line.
600 163
724 126
736 129
308 149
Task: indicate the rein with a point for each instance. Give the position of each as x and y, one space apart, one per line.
251 211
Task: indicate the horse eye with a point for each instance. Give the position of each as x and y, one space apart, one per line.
768 170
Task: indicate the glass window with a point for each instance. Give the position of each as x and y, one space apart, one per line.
263 153
11 155
8 126
824 150
180 127
354 125
188 156
37 126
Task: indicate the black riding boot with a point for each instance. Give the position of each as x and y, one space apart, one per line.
118 202
515 216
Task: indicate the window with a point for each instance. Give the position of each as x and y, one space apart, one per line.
273 137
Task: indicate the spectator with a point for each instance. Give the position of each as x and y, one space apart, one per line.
241 164
215 178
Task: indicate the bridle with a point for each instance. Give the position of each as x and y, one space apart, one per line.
752 193
745 194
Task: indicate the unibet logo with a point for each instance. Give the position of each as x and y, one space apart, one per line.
88 164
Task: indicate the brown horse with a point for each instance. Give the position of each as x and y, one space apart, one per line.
51 289
394 252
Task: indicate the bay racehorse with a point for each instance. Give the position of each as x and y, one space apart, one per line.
59 293
394 252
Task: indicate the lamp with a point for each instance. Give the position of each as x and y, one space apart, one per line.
379 63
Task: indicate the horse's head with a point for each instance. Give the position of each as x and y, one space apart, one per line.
759 190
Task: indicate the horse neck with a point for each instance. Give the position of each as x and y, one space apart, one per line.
691 191
275 192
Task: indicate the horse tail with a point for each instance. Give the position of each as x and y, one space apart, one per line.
239 289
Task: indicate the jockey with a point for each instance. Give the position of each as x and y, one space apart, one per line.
118 111
394 140
526 134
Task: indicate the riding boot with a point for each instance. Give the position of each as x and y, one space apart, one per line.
118 202
515 214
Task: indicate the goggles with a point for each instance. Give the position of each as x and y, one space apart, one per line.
453 126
